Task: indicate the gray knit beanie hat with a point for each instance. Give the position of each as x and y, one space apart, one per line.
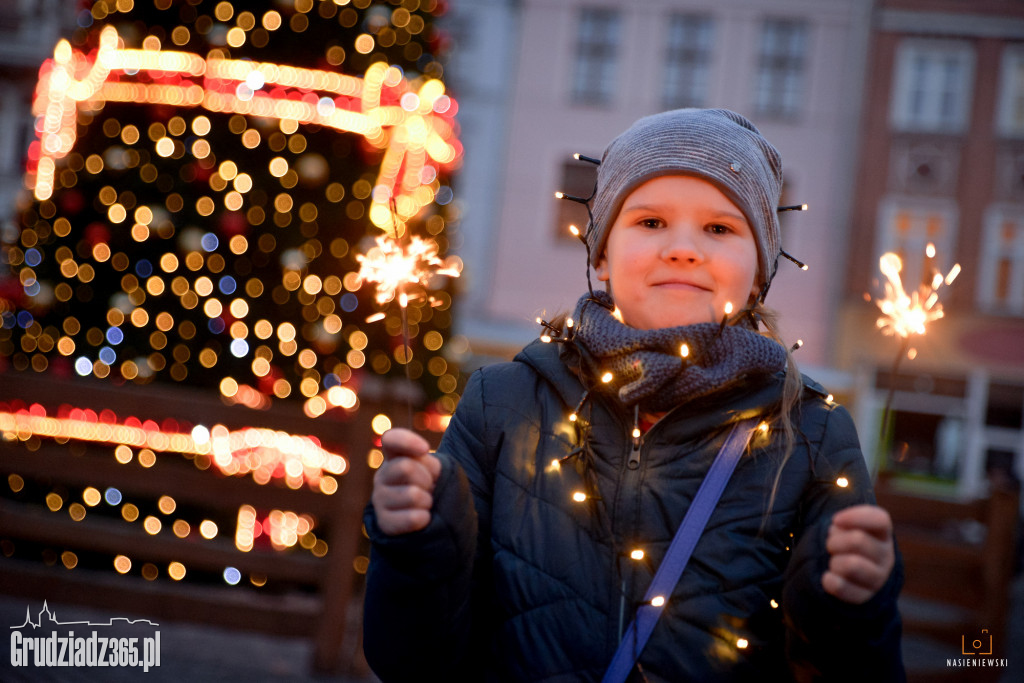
717 145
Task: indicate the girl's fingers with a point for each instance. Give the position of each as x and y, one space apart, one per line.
856 541
403 484
406 471
859 571
403 521
869 518
397 443
836 585
392 498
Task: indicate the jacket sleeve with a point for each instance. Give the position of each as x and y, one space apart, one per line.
418 611
829 639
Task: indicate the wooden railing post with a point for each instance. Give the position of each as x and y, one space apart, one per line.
345 532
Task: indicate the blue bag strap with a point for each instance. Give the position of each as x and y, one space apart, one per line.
678 554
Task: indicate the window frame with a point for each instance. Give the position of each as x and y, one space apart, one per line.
684 66
781 75
993 250
915 105
912 250
595 66
1011 95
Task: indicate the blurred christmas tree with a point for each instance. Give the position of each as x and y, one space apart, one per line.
206 174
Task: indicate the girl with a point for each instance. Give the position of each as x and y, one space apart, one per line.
526 548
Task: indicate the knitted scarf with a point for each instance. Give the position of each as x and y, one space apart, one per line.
648 367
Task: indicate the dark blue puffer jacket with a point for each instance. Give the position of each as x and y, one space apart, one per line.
515 581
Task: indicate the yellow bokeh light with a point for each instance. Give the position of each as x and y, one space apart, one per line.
203 286
223 11
364 44
242 182
165 147
233 201
251 138
122 564
286 332
91 496
166 504
228 387
123 454
208 529
309 387
260 367
380 423
236 37
272 21
168 263
375 458
239 309
278 167
152 525
176 570
76 511
129 512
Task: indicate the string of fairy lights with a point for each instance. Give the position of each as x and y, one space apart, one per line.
205 212
903 315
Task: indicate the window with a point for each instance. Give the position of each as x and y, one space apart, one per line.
1010 114
688 61
780 72
596 51
907 227
1001 272
577 180
932 86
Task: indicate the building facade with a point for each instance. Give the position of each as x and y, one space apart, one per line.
942 163
567 76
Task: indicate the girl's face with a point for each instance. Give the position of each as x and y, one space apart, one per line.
678 252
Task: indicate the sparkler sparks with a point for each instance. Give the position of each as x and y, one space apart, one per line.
393 266
903 314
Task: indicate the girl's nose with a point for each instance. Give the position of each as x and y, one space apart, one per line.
681 245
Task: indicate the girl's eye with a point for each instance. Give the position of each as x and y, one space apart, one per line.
719 229
651 222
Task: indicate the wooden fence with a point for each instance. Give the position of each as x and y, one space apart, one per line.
297 593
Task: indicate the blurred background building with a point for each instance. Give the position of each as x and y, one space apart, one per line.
899 123
566 77
942 162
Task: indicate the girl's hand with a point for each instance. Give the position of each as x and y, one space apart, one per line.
862 553
403 486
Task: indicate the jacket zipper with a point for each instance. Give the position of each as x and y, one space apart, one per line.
632 465
634 455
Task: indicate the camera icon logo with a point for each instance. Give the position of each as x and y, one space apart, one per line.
977 645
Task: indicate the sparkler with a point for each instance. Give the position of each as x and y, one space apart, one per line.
403 271
394 267
905 314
